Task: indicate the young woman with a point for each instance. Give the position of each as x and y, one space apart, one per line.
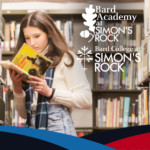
47 103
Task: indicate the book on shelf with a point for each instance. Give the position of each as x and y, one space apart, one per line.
12 30
125 80
146 57
12 35
28 62
123 111
125 40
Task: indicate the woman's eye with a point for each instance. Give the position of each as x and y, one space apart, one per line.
26 38
37 36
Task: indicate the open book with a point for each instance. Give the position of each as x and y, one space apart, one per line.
28 62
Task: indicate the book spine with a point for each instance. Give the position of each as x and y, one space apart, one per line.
126 111
104 113
130 116
149 105
148 65
136 112
108 113
136 76
133 114
123 76
101 113
110 78
145 58
16 118
111 115
121 112
145 106
12 35
126 75
102 78
11 112
139 111
70 34
127 40
98 112
142 108
7 38
118 112
133 76
115 78
105 78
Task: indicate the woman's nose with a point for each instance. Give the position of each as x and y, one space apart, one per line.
32 42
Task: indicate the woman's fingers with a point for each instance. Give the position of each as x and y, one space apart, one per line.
43 77
18 75
35 78
20 78
13 73
14 76
33 82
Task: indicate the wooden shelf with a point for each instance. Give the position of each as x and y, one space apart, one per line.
145 82
97 128
115 91
66 12
7 53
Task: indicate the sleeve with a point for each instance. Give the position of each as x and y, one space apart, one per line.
19 104
79 94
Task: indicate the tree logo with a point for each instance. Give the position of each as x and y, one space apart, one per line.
89 21
84 54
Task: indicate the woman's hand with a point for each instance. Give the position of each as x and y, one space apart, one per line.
40 85
16 78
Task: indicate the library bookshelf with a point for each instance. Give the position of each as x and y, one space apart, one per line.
76 17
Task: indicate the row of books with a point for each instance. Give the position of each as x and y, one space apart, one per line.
128 35
144 107
112 112
119 80
122 112
66 30
9 115
12 30
144 64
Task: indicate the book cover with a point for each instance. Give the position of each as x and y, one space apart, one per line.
28 62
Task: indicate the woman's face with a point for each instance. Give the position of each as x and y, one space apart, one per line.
36 38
